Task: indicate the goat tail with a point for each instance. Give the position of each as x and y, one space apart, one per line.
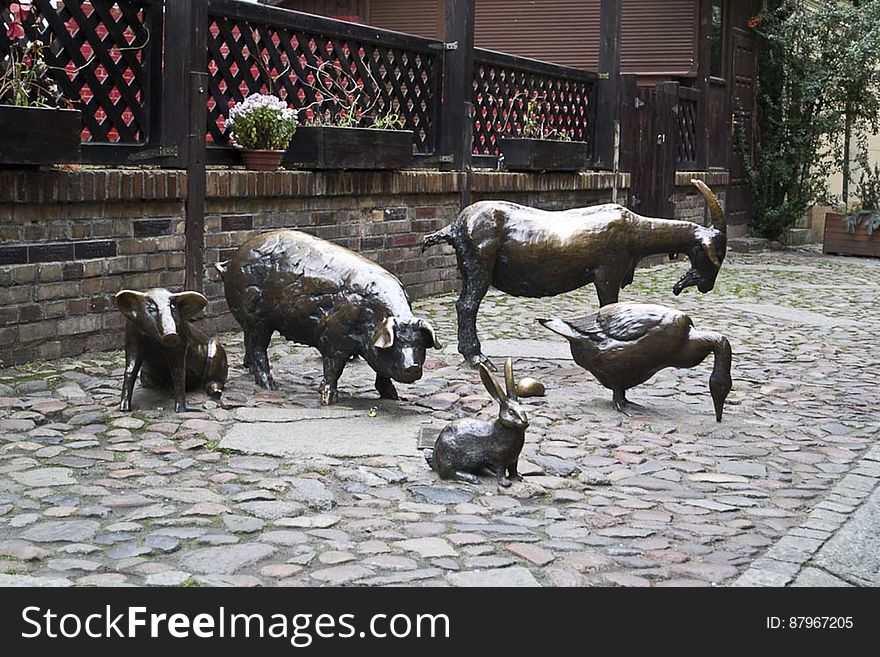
444 235
222 267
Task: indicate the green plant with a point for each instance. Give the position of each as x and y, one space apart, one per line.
867 211
817 74
344 101
23 79
263 122
535 126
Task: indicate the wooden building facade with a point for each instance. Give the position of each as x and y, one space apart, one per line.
703 44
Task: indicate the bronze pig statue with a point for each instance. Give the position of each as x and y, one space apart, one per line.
167 350
535 253
325 296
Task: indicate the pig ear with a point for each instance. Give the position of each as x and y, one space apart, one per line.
383 338
130 303
426 326
189 303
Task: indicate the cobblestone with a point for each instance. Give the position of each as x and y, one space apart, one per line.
662 497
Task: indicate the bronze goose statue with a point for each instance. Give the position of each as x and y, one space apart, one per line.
625 344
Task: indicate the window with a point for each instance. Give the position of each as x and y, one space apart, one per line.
716 39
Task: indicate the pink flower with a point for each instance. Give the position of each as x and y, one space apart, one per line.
15 31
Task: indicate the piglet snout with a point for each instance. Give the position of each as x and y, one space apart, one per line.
170 340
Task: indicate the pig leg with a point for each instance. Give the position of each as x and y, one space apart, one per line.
133 360
177 365
256 342
607 283
386 388
333 365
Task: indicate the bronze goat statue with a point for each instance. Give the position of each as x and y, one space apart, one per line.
535 253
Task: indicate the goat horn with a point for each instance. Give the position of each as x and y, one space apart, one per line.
719 221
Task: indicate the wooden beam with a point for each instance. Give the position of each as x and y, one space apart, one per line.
196 182
456 130
186 29
606 115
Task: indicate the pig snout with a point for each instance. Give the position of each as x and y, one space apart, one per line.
168 328
410 369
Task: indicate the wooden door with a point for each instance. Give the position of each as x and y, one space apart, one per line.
652 191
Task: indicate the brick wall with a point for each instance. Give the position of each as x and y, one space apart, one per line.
69 240
689 203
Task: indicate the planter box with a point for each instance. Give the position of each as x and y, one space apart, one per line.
39 135
329 147
544 155
840 242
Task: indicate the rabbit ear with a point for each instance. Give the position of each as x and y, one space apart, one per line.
492 385
508 380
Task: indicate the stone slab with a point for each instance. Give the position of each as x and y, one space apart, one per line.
853 553
341 433
795 315
542 349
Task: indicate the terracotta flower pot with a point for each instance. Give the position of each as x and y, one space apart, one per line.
261 160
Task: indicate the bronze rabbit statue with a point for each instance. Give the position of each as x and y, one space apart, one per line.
468 447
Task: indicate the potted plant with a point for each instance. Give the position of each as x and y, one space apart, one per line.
537 147
857 233
344 128
34 130
262 127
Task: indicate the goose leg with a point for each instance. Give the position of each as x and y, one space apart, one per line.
621 403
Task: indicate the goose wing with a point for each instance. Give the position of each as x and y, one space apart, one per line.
630 322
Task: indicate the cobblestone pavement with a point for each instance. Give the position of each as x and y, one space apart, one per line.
270 489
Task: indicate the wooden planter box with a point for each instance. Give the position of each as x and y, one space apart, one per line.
329 147
544 155
840 242
39 135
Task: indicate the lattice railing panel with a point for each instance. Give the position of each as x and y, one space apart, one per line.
96 55
501 96
245 57
687 132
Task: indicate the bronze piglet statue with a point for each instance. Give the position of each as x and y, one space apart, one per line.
529 252
328 297
167 350
467 447
625 344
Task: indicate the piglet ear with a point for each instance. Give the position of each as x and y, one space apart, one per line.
130 303
426 326
383 338
189 303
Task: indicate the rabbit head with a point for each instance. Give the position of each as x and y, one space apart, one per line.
511 413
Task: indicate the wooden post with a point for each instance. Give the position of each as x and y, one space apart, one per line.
456 129
185 119
186 30
703 54
196 182
628 113
606 115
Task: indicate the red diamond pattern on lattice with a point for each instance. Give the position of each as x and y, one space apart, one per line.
687 132
500 99
246 58
96 58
